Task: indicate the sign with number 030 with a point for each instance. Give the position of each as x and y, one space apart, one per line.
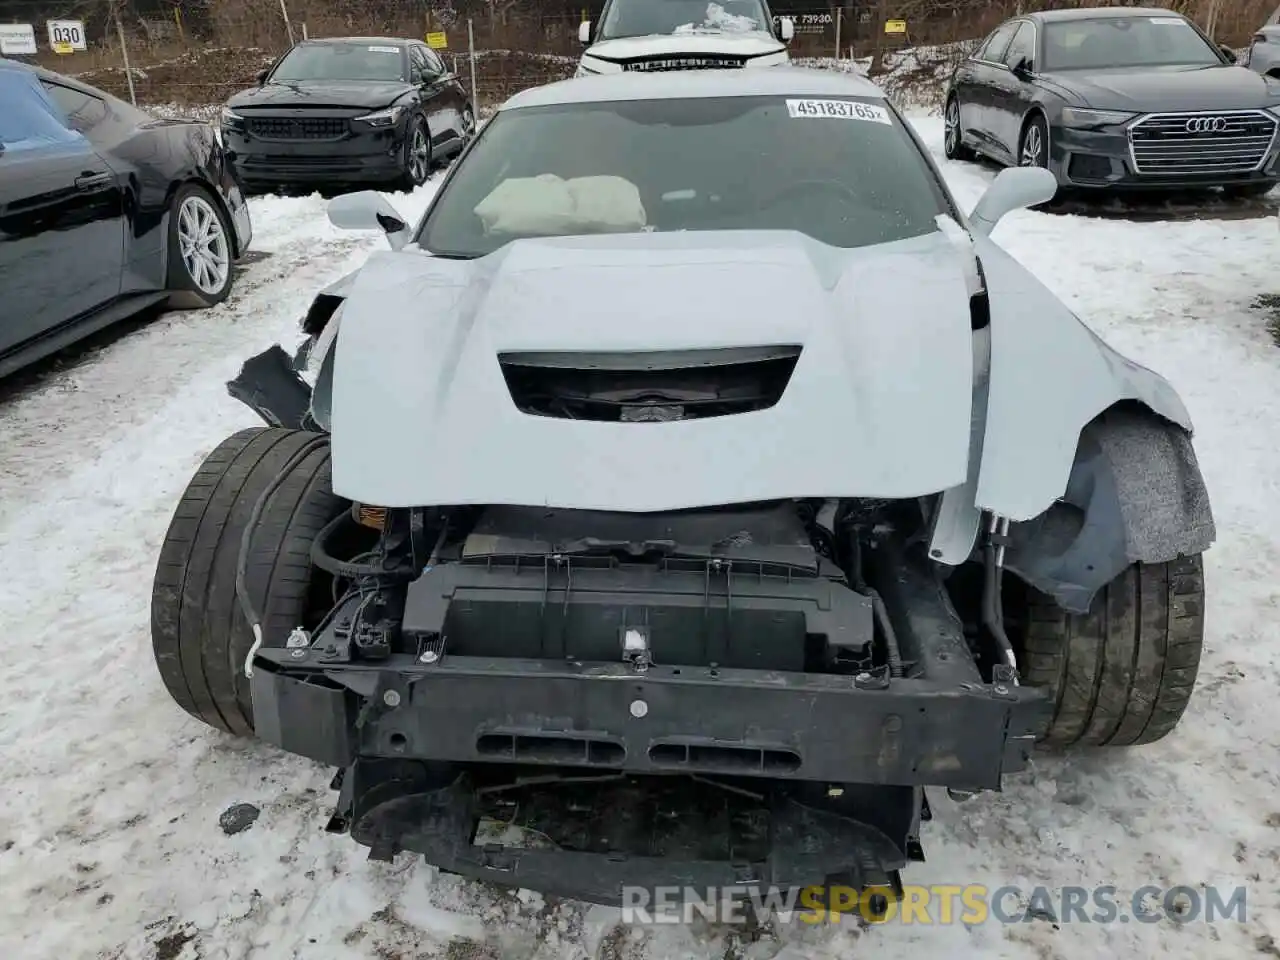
67 35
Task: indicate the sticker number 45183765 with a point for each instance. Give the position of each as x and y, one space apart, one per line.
838 110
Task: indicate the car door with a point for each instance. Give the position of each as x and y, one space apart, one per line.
61 236
441 103
982 72
1014 90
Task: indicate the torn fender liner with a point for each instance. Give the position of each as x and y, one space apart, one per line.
1050 375
270 386
1135 495
600 835
876 406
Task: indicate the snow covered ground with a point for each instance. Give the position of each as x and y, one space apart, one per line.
110 845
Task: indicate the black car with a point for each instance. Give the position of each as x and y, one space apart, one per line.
366 109
1119 97
104 211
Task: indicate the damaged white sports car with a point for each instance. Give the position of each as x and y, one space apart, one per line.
693 486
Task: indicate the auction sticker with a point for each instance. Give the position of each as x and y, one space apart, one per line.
384 49
1168 21
838 109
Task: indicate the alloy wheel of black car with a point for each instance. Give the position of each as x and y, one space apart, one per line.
468 123
417 157
200 250
952 139
1033 145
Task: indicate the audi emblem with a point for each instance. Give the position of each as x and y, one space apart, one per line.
1206 125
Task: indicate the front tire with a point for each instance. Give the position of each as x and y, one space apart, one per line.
199 635
1122 674
201 250
417 154
1033 143
953 133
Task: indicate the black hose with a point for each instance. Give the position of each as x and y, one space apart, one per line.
246 537
893 653
322 558
992 603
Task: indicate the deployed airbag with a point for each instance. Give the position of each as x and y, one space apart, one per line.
547 205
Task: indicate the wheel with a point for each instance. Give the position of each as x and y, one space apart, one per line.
417 154
952 139
198 632
200 250
1122 674
468 123
1248 191
1033 143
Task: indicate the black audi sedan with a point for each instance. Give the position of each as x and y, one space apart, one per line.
367 109
1116 97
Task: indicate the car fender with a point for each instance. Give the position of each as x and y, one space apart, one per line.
326 303
1089 450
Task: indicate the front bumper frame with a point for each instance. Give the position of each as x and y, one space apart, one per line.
605 717
411 738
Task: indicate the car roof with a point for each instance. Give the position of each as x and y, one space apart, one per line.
696 84
1098 13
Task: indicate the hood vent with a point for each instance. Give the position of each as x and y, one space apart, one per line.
649 387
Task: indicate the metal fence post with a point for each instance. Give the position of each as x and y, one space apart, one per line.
839 11
287 25
471 50
124 53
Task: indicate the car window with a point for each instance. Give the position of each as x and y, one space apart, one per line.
417 64
435 66
1125 42
644 18
83 112
341 61
993 50
30 119
1022 47
845 172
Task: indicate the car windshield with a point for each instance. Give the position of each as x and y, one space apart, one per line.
1125 42
340 61
844 172
642 18
30 119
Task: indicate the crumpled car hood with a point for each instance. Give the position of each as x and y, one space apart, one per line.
878 404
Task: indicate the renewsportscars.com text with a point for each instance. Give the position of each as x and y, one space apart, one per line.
938 904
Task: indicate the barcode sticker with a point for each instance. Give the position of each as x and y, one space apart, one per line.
838 110
384 49
1168 21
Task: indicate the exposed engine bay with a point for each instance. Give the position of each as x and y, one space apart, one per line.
788 585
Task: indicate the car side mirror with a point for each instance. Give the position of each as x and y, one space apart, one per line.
1228 53
369 210
1014 188
786 29
1023 68
584 32
262 76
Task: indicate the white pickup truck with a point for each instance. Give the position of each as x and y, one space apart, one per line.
684 35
